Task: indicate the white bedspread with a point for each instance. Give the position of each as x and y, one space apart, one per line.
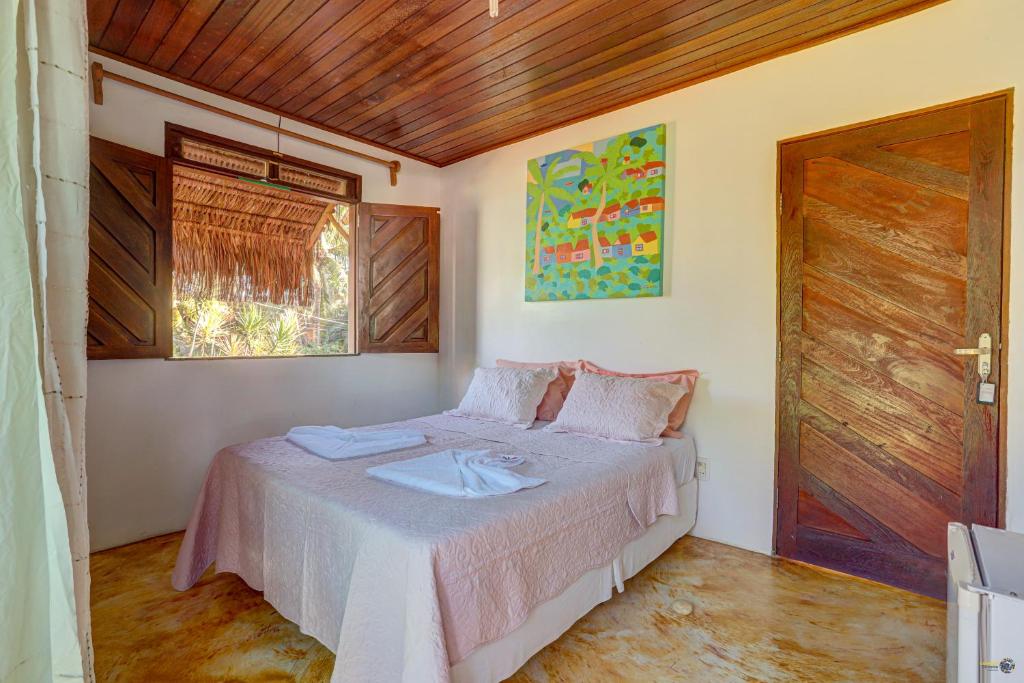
402 583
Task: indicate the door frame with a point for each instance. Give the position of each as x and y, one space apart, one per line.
1007 96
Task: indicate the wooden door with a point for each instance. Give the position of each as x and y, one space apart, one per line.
891 258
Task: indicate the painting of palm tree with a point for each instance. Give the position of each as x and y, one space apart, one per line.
604 173
595 219
543 189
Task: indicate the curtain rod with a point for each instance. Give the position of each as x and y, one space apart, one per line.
98 73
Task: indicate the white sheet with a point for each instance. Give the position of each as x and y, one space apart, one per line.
684 455
335 443
458 473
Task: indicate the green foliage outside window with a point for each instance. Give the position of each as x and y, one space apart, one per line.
206 328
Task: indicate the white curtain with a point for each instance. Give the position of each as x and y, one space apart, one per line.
44 170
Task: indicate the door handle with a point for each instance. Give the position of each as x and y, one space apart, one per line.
984 354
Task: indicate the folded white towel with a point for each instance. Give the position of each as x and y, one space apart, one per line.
462 474
335 443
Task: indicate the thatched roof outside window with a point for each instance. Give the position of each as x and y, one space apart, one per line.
243 241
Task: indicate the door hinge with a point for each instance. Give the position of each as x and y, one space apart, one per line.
780 203
778 351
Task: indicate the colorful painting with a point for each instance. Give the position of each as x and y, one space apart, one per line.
595 219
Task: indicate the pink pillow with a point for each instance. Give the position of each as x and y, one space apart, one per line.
686 378
557 390
617 408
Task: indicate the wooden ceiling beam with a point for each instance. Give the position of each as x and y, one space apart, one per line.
272 91
427 26
440 80
187 24
99 14
643 88
118 34
295 47
161 16
293 20
711 66
686 34
244 33
595 30
465 48
741 26
212 34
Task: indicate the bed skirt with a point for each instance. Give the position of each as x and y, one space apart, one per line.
501 658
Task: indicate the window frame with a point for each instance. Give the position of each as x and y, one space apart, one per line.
174 134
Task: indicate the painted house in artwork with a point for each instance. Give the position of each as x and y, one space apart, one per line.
606 247
630 208
622 247
581 218
646 244
633 173
581 252
563 252
652 204
654 168
651 169
547 256
611 213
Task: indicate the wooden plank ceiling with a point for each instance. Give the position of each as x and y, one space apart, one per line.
440 80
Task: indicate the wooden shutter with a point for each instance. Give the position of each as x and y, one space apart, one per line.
397 257
129 253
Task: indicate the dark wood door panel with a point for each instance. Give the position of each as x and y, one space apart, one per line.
879 458
889 200
891 242
398 251
129 253
941 429
814 514
909 570
899 356
879 419
952 151
929 254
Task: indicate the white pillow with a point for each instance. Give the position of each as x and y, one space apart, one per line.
617 408
506 395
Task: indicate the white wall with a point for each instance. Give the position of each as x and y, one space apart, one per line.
154 425
718 312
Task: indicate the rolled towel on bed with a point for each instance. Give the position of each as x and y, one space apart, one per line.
335 443
457 473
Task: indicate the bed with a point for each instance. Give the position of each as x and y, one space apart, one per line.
408 586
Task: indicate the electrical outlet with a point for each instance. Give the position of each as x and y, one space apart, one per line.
702 470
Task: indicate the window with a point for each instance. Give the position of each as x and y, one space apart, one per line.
217 326
220 249
261 252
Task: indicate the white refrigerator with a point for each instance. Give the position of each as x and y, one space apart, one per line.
985 612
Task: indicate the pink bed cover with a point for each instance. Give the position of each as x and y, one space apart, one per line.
399 583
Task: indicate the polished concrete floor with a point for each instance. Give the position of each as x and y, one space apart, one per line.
755 619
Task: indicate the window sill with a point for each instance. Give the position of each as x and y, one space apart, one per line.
308 355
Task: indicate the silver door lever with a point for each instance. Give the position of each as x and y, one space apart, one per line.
984 354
